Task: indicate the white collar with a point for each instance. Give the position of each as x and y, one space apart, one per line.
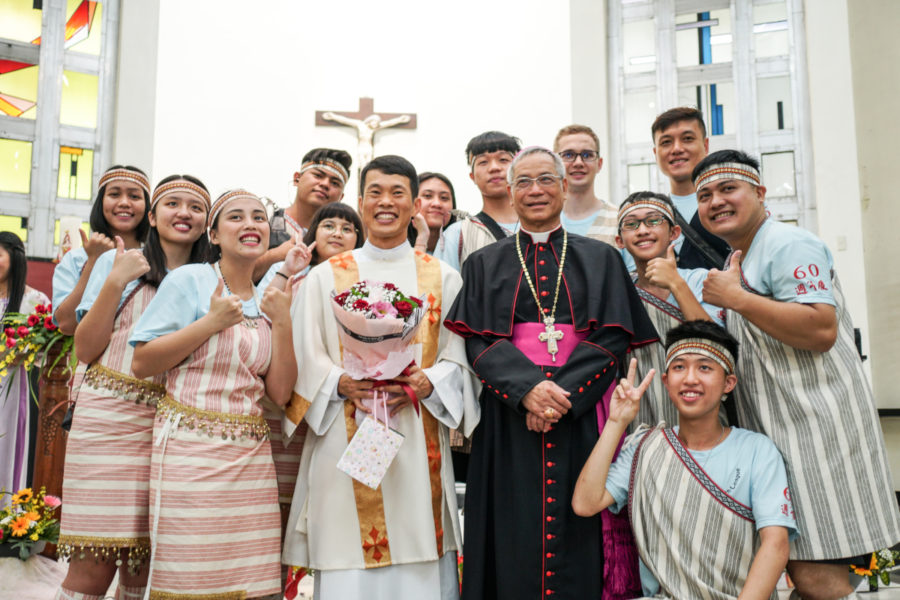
373 252
540 237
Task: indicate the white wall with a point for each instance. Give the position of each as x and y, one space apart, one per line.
237 85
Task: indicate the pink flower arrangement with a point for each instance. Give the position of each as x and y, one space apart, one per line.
377 300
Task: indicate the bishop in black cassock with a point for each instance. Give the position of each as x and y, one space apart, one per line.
522 539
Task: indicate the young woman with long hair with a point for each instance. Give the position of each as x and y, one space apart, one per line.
109 447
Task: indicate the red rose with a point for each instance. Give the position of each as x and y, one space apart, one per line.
390 286
361 304
10 332
340 298
22 331
32 320
404 308
48 323
40 309
10 342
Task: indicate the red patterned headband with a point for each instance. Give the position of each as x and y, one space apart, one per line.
228 197
705 347
728 170
125 175
651 203
329 166
180 186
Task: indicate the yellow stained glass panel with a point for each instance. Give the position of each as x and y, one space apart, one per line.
22 84
79 99
85 40
19 20
13 224
15 166
75 168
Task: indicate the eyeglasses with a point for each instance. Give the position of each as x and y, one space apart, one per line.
569 156
330 228
544 181
651 222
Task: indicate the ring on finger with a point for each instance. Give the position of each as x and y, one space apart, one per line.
549 413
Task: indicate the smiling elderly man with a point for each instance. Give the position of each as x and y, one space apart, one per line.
548 317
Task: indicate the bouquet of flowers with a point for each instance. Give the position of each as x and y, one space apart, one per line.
28 522
376 323
878 568
28 339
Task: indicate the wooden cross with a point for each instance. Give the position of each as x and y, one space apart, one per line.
550 335
366 122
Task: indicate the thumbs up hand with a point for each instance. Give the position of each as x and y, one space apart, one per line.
224 311
128 265
723 288
95 245
663 270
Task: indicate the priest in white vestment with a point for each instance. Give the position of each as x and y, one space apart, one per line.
401 539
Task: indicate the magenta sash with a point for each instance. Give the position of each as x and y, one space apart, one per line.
525 338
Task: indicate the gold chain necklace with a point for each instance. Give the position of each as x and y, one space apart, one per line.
550 335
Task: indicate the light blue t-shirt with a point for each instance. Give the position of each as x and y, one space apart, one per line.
694 279
66 275
182 298
789 264
99 274
448 251
746 465
579 226
687 206
270 275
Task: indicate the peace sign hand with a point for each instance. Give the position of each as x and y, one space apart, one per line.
626 399
298 257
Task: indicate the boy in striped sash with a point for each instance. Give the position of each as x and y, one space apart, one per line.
709 504
802 384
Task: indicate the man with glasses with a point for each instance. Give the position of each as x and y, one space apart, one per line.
584 213
545 351
321 179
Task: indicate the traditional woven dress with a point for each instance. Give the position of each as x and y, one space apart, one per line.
65 277
214 514
696 539
665 314
107 468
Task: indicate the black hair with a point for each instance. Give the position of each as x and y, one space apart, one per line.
18 270
423 177
391 164
333 210
676 115
319 154
722 156
153 251
98 221
706 330
492 141
648 195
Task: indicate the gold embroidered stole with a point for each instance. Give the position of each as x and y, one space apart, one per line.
369 502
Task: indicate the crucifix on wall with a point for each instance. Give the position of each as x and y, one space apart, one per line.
366 122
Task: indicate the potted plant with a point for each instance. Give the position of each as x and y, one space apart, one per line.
27 523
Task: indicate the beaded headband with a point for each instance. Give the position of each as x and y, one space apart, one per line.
727 170
329 166
704 347
227 197
651 203
180 186
125 175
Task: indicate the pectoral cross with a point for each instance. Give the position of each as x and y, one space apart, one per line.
550 335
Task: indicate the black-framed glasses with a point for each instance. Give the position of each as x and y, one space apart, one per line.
569 156
544 181
651 222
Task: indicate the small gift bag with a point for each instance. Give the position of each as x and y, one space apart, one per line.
373 447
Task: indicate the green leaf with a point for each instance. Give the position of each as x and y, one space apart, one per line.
873 581
885 578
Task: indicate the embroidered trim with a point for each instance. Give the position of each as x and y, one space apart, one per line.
727 170
131 388
104 549
213 423
670 309
241 595
703 479
126 175
704 347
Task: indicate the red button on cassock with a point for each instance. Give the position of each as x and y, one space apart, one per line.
540 262
550 463
551 500
551 519
543 278
550 555
549 445
549 573
545 293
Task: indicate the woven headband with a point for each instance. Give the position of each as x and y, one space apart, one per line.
704 347
728 170
327 165
227 198
127 176
180 186
651 203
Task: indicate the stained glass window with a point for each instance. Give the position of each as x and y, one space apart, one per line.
17 225
19 20
75 168
79 99
83 26
18 88
15 166
703 38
